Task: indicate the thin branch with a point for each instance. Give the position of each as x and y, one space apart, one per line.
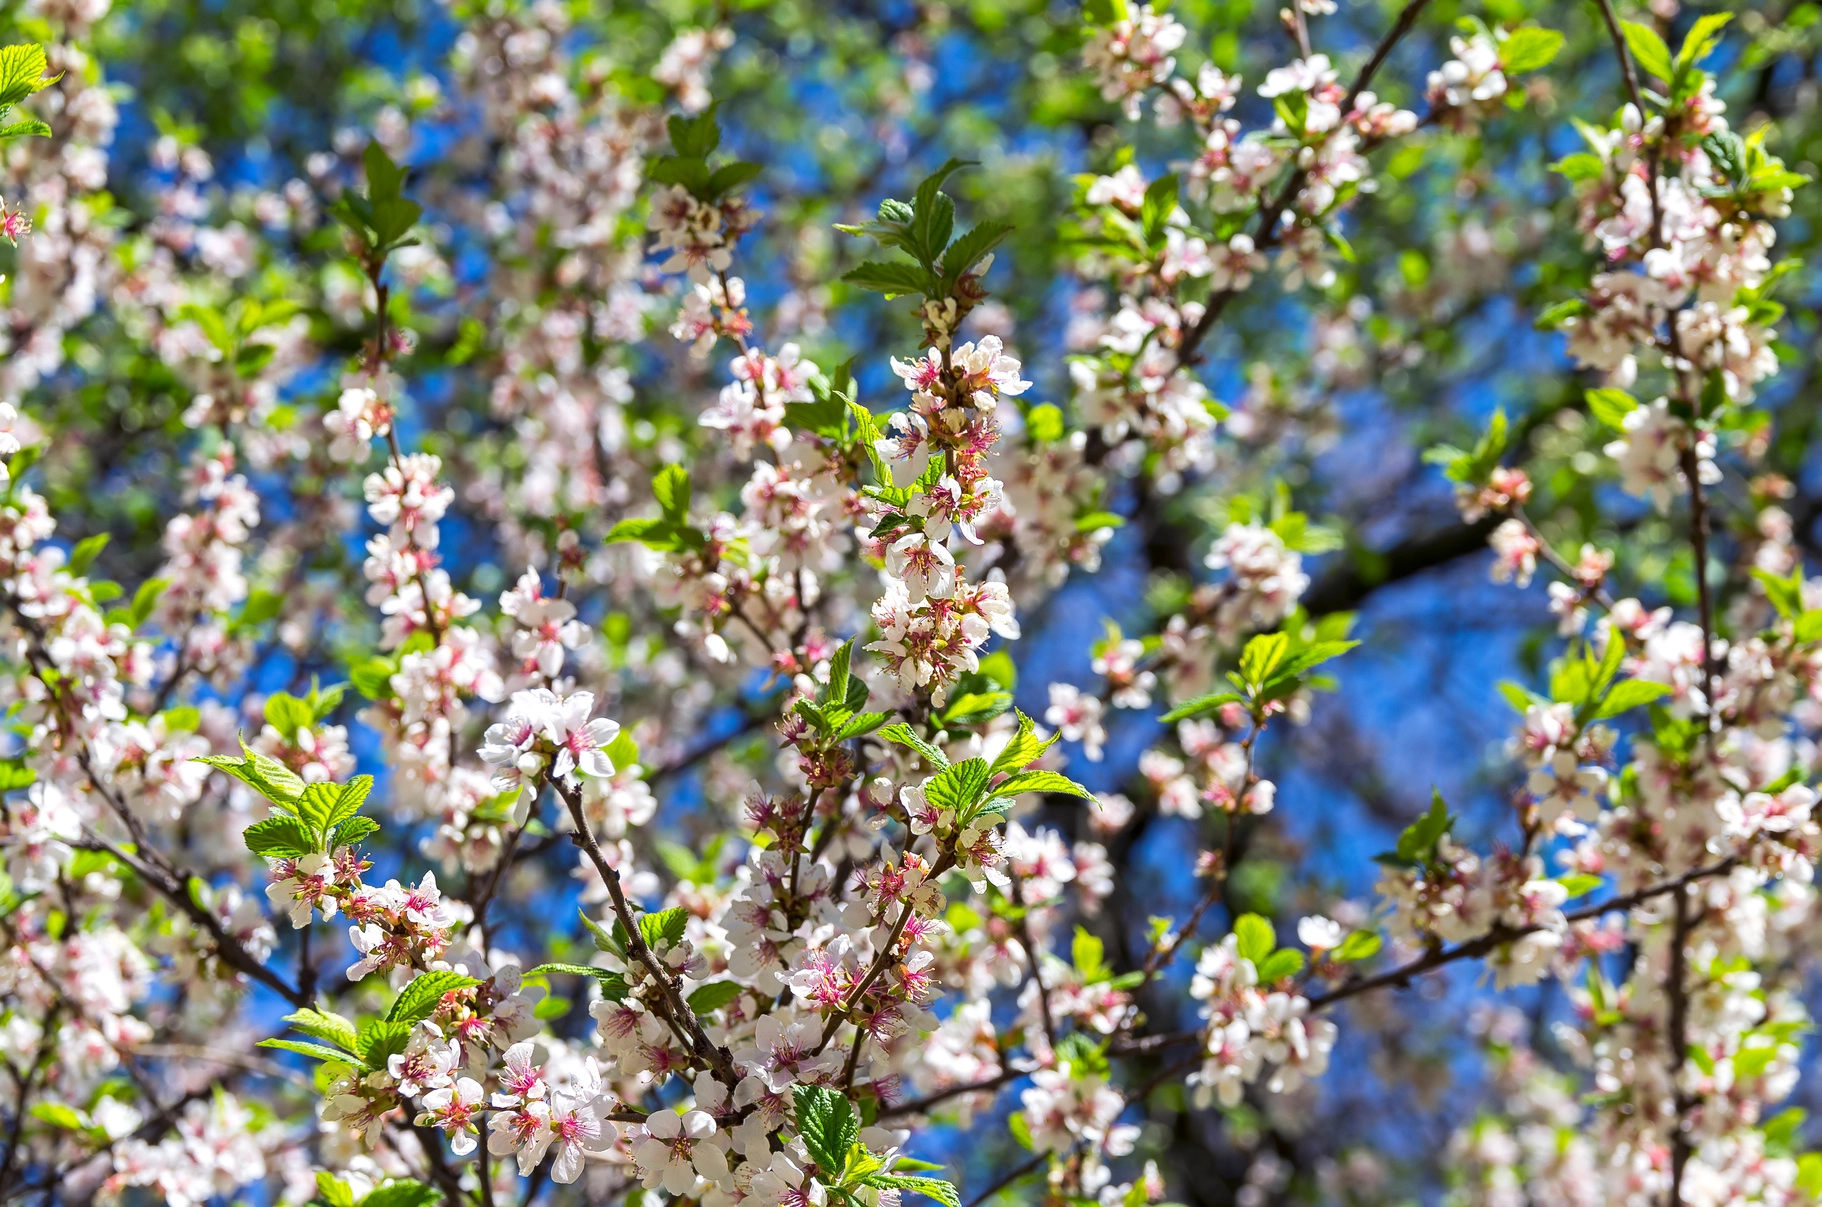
1501 935
683 1019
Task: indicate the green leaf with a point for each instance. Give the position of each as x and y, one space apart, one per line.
314 1051
613 984
1044 423
931 227
838 672
288 714
671 487
1785 594
1629 695
266 776
1255 937
325 1025
1024 748
281 837
22 72
1418 842
1285 962
353 830
960 787
1160 200
317 803
827 418
1579 884
1809 1174
860 723
695 137
1581 165
59 1115
826 1124
332 1190
1262 655
86 551
1094 521
1808 626
892 278
373 677
1648 50
14 774
260 607
666 927
647 530
1040 781
380 1038
1528 49
1703 36
706 999
1202 704
1782 1128
903 735
353 795
603 939
385 179
1611 406
731 176
403 1193
967 251
1313 655
420 999
1088 953
1517 696
144 600
930 1188
1360 945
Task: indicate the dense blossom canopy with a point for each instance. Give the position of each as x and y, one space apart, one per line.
762 603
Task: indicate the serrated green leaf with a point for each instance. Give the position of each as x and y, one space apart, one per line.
332 1190
1285 962
403 1193
706 999
1360 945
1262 655
1628 695
420 999
325 1025
664 927
1255 937
958 788
1201 705
1528 49
902 734
1648 50
1023 748
826 1124
281 837
930 1188
86 551
613 984
22 72
354 830
1087 952
1611 406
1040 781
314 1051
671 487
892 278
